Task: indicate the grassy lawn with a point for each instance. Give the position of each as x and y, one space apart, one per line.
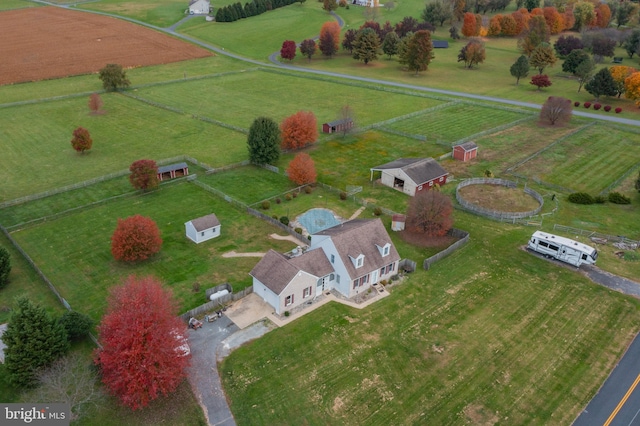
239 98
597 151
162 13
74 250
466 344
259 36
41 156
16 4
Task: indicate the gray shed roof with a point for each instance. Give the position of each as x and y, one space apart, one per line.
362 236
172 167
341 121
468 146
205 222
420 170
440 44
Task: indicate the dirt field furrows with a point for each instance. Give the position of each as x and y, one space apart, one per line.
48 42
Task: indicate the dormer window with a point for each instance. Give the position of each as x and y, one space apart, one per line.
384 250
357 261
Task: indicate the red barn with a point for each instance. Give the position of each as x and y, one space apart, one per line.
465 151
337 126
173 171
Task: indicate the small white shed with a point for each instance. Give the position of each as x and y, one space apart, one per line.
203 228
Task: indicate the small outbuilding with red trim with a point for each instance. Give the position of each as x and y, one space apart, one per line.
411 175
337 126
173 171
465 151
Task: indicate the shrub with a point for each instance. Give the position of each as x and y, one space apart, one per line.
587 104
618 110
287 313
135 238
600 199
377 211
618 198
77 325
576 104
274 216
278 200
581 198
597 106
343 195
266 205
309 237
284 220
307 189
294 194
287 197
298 230
607 108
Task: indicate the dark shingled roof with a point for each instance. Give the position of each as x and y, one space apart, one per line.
341 121
468 146
205 222
361 236
276 271
440 44
420 170
172 167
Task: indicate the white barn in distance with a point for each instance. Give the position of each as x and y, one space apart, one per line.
203 228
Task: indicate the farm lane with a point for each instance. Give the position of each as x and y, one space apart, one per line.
275 63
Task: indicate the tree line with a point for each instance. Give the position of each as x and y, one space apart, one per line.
236 11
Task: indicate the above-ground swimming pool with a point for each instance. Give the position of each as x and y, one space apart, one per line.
316 220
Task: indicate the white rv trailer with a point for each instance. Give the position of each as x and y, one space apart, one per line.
561 248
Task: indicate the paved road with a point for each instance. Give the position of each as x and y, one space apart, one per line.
617 402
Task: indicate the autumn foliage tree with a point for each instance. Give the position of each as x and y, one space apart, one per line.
540 81
469 25
632 87
556 110
302 170
114 77
430 213
419 52
141 335
473 53
308 48
135 238
288 50
81 140
144 174
330 38
95 103
619 74
299 130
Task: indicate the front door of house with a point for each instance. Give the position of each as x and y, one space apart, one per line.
374 277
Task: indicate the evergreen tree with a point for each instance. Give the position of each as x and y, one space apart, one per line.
5 267
602 84
520 68
366 45
575 58
264 141
34 340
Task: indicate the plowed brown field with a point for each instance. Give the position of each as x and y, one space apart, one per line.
49 42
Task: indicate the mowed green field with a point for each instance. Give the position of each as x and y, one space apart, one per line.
74 251
41 157
16 4
464 343
596 151
161 13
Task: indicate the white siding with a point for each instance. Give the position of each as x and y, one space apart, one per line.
329 249
201 236
269 296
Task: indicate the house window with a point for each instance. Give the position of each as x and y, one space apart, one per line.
288 300
431 183
420 188
338 278
202 234
333 259
385 251
442 178
359 261
359 282
306 292
332 277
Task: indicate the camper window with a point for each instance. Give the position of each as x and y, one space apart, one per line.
543 244
552 247
584 257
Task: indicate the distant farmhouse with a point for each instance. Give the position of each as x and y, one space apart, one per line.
203 228
348 258
199 7
411 175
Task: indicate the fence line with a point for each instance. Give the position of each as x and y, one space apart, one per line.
589 234
42 276
495 214
492 130
620 179
456 233
407 265
218 303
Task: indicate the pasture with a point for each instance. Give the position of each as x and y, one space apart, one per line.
161 13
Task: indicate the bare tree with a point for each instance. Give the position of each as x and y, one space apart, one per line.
69 380
347 117
430 213
556 110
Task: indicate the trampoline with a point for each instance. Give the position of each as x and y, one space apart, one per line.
316 220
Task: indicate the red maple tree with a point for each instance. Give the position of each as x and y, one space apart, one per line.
135 238
288 50
302 170
144 174
299 130
540 81
329 38
469 25
143 352
429 213
95 103
81 140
